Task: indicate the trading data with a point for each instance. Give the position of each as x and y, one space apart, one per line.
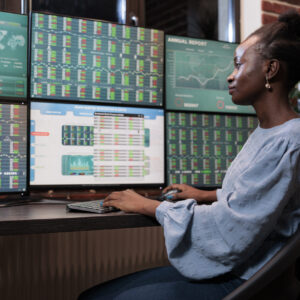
97 61
96 145
196 75
13 147
13 55
200 147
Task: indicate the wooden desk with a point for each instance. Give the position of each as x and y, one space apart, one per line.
47 217
49 253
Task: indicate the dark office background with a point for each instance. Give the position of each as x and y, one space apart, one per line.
95 9
194 18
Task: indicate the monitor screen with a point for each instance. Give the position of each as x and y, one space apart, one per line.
196 73
201 146
89 60
13 146
13 56
80 144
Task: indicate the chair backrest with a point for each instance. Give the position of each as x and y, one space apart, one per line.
270 271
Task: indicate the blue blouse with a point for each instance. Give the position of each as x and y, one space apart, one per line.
257 209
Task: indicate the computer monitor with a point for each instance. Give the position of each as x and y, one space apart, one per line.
13 146
196 72
13 56
92 145
201 146
90 60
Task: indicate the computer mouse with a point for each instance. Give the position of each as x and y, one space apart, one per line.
167 196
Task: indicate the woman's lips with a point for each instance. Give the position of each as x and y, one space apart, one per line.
231 89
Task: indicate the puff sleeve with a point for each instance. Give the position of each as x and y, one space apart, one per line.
205 241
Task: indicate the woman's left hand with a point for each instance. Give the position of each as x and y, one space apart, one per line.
130 201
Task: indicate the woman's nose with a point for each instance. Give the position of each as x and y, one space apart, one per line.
230 78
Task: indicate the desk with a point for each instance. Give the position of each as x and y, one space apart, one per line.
47 217
49 253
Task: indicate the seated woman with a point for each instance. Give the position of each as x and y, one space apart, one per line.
217 239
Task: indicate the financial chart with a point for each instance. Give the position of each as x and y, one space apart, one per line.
201 146
13 147
96 145
87 60
13 55
196 75
208 72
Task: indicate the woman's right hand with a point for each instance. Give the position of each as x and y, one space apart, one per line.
187 191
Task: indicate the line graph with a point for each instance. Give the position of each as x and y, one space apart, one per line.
196 75
208 71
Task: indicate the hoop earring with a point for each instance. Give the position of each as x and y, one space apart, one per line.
268 85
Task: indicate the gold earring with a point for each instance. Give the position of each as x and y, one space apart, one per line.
267 85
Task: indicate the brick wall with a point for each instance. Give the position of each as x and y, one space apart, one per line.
271 9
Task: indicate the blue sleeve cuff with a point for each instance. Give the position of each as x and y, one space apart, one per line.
161 210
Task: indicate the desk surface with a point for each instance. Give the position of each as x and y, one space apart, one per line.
45 217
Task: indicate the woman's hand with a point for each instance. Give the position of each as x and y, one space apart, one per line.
130 201
187 191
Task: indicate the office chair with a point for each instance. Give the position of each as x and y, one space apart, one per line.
277 280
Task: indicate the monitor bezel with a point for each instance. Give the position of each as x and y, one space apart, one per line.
91 102
13 99
26 191
104 186
165 77
198 186
168 110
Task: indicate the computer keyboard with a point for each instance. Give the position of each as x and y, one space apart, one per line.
95 206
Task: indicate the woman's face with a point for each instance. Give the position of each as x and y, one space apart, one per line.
247 81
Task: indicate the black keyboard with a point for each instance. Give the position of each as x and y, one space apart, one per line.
95 206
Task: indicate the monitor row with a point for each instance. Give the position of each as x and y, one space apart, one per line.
99 145
98 62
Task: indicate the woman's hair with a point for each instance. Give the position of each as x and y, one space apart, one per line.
281 40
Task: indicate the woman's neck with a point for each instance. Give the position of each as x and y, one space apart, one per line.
274 111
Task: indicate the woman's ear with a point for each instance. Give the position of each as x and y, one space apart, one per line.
272 68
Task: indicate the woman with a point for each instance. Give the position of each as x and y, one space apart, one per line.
215 246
